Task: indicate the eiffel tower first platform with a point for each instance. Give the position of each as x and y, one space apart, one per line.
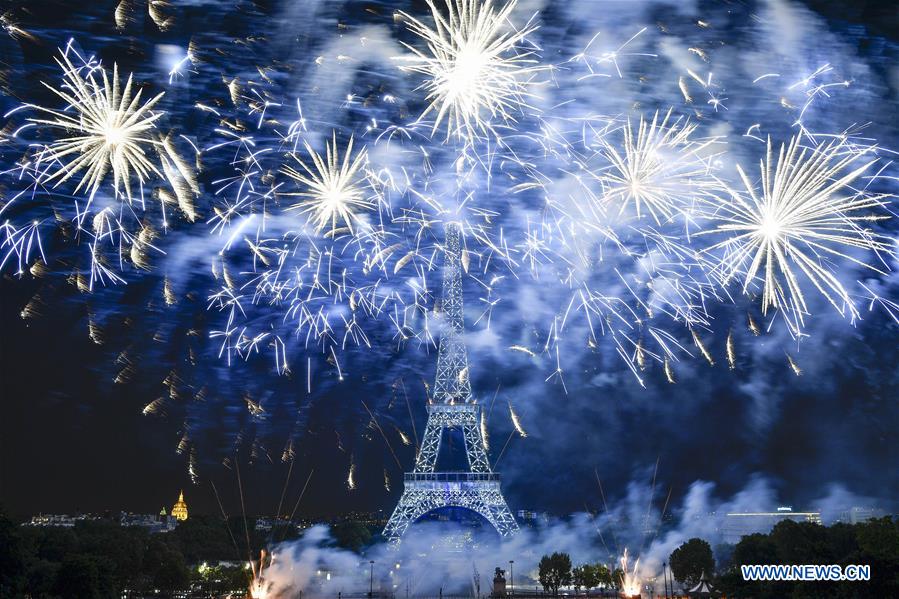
453 407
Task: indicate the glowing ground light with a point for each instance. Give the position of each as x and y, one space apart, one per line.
630 582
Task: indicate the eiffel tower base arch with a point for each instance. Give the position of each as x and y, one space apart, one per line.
426 492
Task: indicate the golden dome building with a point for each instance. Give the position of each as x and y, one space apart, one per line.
179 510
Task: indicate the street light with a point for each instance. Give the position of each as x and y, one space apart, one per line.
511 578
371 578
665 577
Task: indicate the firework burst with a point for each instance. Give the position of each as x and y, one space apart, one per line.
107 128
805 215
104 129
657 169
335 190
634 272
475 66
326 278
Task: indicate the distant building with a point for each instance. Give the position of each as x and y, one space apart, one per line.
856 515
152 522
265 524
61 520
531 518
376 518
739 524
179 510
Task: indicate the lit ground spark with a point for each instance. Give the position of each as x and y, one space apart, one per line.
476 67
334 188
260 588
631 585
804 215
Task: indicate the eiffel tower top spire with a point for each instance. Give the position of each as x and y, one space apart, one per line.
452 384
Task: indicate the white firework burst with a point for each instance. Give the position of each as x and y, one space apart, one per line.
106 126
805 216
658 169
335 190
476 66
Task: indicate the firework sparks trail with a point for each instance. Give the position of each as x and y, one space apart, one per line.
109 130
320 251
731 353
805 216
476 67
351 477
105 126
594 59
659 168
631 585
516 422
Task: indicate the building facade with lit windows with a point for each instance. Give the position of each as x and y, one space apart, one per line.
739 524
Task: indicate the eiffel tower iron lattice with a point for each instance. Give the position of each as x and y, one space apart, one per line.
453 407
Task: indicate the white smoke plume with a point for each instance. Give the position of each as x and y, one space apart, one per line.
430 560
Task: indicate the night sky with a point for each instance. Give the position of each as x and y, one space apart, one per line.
74 439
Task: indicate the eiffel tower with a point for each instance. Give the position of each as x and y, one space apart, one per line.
478 488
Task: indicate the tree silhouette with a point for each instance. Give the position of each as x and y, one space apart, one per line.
554 571
690 560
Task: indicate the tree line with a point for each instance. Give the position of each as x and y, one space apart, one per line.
874 543
100 559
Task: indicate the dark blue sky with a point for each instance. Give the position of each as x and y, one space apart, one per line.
74 439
